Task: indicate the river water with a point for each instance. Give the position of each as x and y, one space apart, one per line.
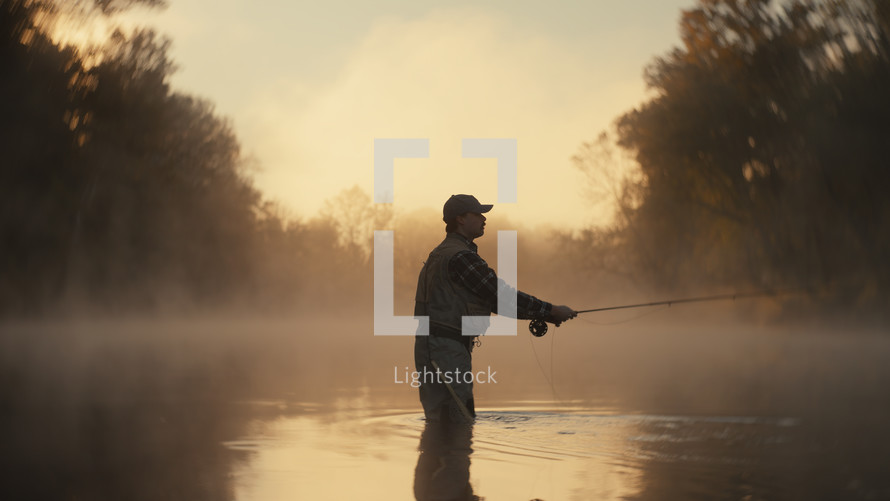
261 412
526 451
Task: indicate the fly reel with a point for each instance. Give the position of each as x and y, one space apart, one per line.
538 327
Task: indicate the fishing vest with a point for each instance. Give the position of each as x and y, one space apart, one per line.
445 301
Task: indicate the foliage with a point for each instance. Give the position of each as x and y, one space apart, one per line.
120 194
762 155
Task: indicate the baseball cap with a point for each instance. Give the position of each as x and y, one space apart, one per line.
461 204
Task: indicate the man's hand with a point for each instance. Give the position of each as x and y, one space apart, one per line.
559 314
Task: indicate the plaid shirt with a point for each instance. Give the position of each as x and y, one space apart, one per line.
468 268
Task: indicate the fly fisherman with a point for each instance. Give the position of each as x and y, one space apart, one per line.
456 282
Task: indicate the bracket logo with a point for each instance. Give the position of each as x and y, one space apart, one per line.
385 153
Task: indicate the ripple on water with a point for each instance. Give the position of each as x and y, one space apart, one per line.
579 449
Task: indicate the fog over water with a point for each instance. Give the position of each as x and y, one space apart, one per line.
169 331
652 408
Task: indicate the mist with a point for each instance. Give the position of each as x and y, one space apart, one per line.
158 312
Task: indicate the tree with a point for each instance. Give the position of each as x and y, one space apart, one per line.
116 189
761 153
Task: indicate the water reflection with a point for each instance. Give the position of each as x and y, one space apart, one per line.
443 466
569 454
109 419
134 414
517 454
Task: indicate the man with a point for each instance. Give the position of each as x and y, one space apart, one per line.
443 466
456 282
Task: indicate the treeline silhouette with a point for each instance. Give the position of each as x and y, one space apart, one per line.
121 194
762 155
758 162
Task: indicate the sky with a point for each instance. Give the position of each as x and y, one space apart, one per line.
309 86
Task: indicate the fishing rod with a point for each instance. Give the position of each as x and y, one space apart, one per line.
538 326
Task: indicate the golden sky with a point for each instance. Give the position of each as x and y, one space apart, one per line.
310 85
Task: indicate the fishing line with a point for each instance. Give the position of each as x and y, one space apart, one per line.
549 379
538 326
552 371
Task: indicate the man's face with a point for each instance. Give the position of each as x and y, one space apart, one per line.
473 224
